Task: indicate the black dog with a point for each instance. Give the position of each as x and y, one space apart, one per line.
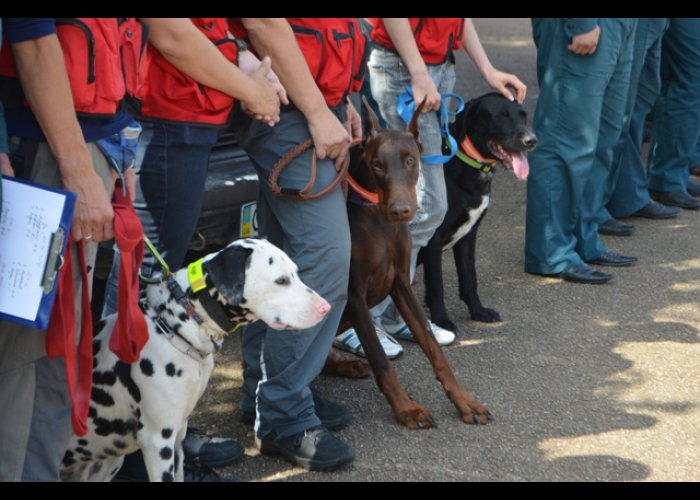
496 128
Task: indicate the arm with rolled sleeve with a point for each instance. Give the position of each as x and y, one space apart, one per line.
41 70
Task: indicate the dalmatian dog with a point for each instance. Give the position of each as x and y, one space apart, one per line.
146 404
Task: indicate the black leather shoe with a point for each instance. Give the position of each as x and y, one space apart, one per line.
614 259
210 451
333 416
584 273
654 210
675 199
313 449
693 188
613 227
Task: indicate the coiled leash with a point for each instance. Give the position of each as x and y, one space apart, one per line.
405 107
304 194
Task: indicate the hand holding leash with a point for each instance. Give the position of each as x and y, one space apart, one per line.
405 104
424 87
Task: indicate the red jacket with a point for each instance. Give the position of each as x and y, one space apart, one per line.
334 49
436 37
101 55
169 95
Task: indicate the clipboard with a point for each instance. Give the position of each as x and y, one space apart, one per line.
35 223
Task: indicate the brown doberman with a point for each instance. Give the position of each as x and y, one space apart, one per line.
388 165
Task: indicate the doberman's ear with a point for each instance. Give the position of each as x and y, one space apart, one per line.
372 126
413 126
227 272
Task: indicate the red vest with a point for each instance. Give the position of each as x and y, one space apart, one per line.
103 57
334 49
436 37
169 95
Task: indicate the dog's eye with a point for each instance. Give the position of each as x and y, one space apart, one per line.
410 161
283 281
376 164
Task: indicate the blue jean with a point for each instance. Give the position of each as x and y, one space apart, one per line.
171 167
389 78
677 112
578 120
280 365
629 188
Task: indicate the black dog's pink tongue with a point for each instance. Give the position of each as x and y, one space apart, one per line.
521 167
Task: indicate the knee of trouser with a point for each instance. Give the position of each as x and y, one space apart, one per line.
328 272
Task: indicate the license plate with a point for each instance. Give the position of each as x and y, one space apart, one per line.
249 220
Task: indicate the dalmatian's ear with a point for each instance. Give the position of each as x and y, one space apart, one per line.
227 272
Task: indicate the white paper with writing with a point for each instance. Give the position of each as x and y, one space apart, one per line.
28 219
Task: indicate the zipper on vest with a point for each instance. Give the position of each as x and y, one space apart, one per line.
308 31
90 39
351 35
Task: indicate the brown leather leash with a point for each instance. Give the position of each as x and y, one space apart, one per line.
303 194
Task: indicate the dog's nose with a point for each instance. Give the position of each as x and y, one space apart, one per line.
323 307
530 141
401 211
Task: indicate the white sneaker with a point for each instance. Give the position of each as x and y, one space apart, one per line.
349 341
443 337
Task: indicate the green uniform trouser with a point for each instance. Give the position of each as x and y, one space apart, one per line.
579 118
677 112
628 185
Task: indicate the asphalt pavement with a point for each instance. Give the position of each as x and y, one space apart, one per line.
586 382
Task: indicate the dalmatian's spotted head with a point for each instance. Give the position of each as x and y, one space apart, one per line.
256 280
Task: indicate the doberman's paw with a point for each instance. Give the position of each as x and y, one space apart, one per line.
416 418
485 315
477 414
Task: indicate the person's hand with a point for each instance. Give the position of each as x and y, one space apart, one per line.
331 138
354 123
423 86
500 81
6 165
265 105
585 44
249 64
93 218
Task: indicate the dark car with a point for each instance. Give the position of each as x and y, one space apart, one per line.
228 210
